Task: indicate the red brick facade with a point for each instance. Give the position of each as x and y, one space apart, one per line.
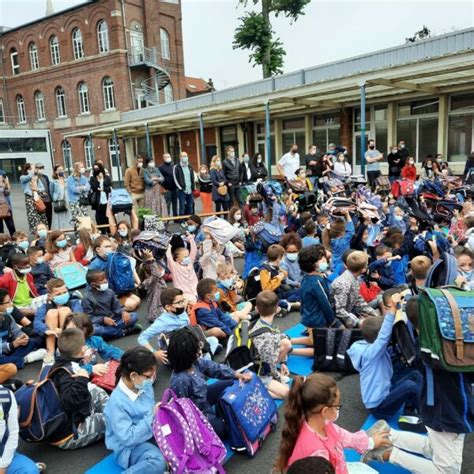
144 17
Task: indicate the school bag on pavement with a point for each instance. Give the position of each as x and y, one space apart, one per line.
6 403
39 407
250 414
121 201
73 274
119 273
186 438
107 381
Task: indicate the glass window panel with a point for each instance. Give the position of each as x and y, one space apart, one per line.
322 120
334 136
420 107
428 139
407 131
320 139
293 123
380 113
357 115
460 132
4 145
229 133
381 130
462 101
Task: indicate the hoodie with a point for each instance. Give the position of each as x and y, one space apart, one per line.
373 363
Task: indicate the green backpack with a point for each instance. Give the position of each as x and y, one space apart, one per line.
446 329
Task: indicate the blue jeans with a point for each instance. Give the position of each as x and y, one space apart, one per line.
171 198
186 203
22 465
406 391
146 457
17 357
110 332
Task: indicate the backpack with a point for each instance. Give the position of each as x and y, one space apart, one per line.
6 404
403 187
252 285
73 274
330 349
383 183
443 272
268 233
121 201
306 201
186 438
250 414
156 242
40 410
193 314
241 353
120 274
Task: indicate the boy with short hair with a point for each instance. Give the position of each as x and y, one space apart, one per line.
371 359
104 309
350 306
82 402
39 269
20 245
102 247
380 270
420 266
272 346
465 260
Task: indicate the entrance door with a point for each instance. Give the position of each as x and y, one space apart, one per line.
13 168
137 46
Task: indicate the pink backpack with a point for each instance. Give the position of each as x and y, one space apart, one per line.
186 438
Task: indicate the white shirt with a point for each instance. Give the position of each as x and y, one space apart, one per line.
12 441
342 169
290 163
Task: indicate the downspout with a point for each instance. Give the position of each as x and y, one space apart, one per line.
132 92
6 104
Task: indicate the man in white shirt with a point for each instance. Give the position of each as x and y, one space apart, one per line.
289 163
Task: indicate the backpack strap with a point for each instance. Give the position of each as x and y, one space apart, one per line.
330 344
341 350
6 401
429 386
459 344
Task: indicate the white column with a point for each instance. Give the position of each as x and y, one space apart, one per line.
443 124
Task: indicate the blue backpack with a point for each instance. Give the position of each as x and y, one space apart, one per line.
119 273
73 274
40 410
6 403
120 200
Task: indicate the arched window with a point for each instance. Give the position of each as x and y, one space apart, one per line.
60 102
109 95
34 61
20 106
54 49
77 44
39 101
168 93
67 154
103 36
14 60
2 112
89 152
83 92
165 44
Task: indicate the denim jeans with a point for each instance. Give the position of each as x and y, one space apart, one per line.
186 203
110 332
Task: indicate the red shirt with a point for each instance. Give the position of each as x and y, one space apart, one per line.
409 172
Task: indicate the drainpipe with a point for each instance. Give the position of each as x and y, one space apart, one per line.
268 142
201 137
363 144
132 91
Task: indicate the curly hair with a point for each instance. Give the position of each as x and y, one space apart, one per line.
183 350
291 238
308 257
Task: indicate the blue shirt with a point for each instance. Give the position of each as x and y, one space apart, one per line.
165 323
100 304
340 244
372 154
39 323
316 307
187 179
98 263
294 272
308 240
106 351
72 185
214 317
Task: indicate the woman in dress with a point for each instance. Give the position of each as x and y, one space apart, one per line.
32 186
77 192
101 187
154 197
205 187
221 201
61 214
5 199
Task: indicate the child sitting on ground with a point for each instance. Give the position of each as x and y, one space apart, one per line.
380 270
129 415
58 251
371 358
39 269
173 318
104 309
338 238
311 237
420 266
42 235
272 346
312 408
82 402
189 372
465 258
291 243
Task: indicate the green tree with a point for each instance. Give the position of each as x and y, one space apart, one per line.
255 33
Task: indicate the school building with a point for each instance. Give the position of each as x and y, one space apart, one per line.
420 92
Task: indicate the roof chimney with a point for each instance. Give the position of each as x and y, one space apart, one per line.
49 7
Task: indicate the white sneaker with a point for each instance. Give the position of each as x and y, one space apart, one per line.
48 358
285 379
35 356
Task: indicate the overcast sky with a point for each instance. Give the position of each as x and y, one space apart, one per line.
330 30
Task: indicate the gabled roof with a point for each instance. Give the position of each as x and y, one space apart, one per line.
197 85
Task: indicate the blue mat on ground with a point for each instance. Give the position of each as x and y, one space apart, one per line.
107 465
386 468
298 365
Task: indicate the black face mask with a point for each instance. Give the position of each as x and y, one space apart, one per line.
371 147
177 310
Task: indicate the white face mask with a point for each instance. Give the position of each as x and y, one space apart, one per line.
167 159
140 165
82 170
123 232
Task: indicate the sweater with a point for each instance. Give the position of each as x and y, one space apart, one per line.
317 310
39 323
409 172
184 276
166 169
214 317
100 304
340 244
294 272
163 324
134 182
97 345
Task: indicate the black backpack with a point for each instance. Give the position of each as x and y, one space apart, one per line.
252 286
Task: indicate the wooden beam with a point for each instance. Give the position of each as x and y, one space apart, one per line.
404 85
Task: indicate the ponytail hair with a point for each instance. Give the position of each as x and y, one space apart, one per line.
137 359
306 395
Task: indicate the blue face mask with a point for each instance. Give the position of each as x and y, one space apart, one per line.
398 218
9 310
144 384
292 257
323 266
61 243
186 261
24 244
61 300
217 296
227 283
42 234
467 275
191 228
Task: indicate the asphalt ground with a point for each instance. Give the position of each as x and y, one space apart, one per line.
352 415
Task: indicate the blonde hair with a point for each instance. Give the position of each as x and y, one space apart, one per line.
420 266
213 162
224 268
76 167
357 261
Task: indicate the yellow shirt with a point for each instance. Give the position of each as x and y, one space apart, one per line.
22 296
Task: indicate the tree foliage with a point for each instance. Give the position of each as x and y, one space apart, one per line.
255 33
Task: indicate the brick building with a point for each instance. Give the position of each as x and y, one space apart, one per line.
84 67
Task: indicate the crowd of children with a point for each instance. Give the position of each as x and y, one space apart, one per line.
341 270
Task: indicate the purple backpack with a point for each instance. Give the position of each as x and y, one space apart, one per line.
186 438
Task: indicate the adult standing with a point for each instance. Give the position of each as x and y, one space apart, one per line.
6 204
258 169
231 168
31 188
135 184
61 214
245 171
403 151
184 179
372 157
313 164
101 187
205 188
395 164
154 198
220 194
77 192
169 185
289 163
45 195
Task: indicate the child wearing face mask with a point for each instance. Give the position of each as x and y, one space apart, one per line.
104 309
20 244
58 250
41 234
312 408
396 219
465 259
129 415
380 270
292 244
39 269
409 170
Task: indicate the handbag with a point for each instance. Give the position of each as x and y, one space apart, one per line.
4 210
84 200
59 206
107 381
39 204
222 190
197 193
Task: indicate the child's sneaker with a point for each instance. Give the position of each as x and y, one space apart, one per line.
377 427
375 455
295 306
48 359
35 356
137 329
411 423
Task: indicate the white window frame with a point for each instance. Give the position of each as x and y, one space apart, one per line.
103 36
77 44
34 59
20 107
60 95
109 93
39 101
165 44
83 93
15 62
54 50
67 154
2 111
88 153
168 93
